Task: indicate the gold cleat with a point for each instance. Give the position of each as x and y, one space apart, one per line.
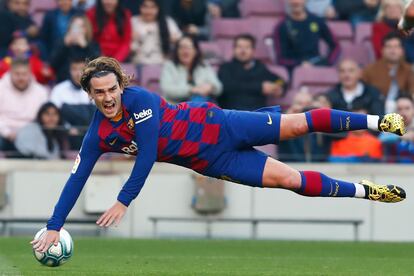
383 193
393 123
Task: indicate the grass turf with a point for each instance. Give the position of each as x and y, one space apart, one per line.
217 257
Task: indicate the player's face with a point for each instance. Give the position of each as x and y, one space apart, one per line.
106 93
149 10
109 6
406 109
76 71
243 50
50 118
349 74
20 77
393 51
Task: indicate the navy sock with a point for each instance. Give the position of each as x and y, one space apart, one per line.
332 120
318 184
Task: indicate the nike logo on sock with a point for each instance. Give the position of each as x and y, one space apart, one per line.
270 120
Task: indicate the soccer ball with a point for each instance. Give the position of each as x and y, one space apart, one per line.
55 255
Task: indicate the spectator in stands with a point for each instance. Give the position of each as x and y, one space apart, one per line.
321 100
351 91
20 48
311 148
387 20
20 10
111 28
297 37
20 99
321 8
69 91
186 76
224 8
43 138
55 25
357 11
192 17
391 75
133 5
153 34
247 83
77 42
7 27
401 149
83 5
359 146
76 108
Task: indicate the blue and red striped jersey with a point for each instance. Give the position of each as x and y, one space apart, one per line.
151 129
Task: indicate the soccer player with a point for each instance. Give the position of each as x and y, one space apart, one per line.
201 136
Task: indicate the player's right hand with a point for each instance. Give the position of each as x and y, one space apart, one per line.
46 240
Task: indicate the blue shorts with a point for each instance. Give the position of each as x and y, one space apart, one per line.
238 161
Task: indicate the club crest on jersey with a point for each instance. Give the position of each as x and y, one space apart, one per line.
130 124
143 115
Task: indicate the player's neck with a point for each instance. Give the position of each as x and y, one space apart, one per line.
117 117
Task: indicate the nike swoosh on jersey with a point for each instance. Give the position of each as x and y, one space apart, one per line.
270 120
113 141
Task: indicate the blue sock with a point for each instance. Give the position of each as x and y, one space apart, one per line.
318 184
332 120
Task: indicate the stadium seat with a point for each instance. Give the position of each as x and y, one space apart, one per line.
150 77
131 70
279 70
262 8
342 30
229 28
213 52
42 5
286 101
358 52
316 79
363 32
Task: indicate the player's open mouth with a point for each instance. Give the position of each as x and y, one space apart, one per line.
109 107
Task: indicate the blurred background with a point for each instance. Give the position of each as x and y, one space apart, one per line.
239 54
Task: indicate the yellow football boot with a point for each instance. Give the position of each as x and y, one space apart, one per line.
383 193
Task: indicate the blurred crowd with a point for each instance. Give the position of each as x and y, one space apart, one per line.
239 54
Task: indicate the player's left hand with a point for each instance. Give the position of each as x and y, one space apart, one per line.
112 215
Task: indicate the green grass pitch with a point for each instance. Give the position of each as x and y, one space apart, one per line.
100 256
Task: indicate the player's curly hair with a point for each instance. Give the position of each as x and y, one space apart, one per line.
100 67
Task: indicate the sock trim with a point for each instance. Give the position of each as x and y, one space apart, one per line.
359 190
309 121
373 122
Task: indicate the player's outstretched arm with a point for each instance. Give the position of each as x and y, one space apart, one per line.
44 241
112 215
406 24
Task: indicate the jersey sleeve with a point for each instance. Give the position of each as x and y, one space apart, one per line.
146 118
84 163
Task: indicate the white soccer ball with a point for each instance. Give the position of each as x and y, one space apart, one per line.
55 255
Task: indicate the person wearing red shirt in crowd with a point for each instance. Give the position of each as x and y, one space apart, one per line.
387 19
20 48
111 28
